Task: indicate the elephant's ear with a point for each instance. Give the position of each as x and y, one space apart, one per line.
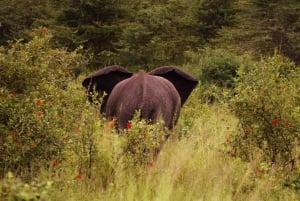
183 82
106 78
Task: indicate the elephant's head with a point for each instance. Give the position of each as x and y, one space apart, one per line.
158 94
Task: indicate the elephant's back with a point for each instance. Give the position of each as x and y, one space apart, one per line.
153 95
143 88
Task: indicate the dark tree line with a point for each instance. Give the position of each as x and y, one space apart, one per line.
149 33
265 25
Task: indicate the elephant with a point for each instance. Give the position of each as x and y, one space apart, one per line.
158 94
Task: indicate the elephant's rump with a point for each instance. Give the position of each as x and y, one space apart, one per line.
155 97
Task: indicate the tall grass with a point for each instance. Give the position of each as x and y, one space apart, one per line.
195 167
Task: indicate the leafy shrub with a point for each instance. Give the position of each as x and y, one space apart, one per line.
13 189
39 106
83 152
218 69
293 181
267 105
142 142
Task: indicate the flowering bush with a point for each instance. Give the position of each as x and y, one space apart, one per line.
142 142
39 106
267 105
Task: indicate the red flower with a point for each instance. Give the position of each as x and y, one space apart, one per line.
248 129
227 140
39 101
287 125
78 128
14 132
39 114
274 122
13 93
151 164
78 176
259 172
44 30
55 164
66 71
128 125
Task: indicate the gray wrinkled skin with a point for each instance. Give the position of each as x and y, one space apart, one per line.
157 94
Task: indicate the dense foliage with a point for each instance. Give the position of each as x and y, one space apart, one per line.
217 69
15 189
150 33
264 25
35 89
267 104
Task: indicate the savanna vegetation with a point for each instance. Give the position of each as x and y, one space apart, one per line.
238 134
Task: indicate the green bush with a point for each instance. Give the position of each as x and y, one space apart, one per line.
267 106
142 142
39 105
217 71
13 189
220 70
